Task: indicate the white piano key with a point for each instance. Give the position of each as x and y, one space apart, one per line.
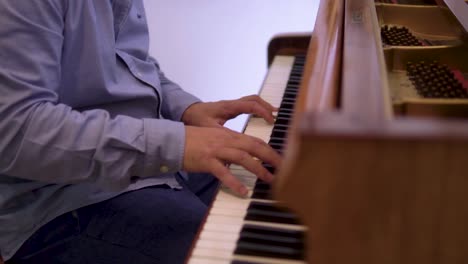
222 210
198 260
220 227
239 221
218 236
218 245
265 260
259 128
224 196
211 253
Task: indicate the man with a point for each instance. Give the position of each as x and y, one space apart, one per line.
93 139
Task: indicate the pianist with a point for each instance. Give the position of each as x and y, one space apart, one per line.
93 137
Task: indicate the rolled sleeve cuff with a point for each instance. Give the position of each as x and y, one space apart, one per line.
165 143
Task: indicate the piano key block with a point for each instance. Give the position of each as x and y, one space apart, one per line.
236 225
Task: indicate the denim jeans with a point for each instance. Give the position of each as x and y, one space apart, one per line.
151 225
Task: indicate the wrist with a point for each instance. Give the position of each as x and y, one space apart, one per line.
188 115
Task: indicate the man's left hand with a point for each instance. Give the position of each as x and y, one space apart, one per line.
215 114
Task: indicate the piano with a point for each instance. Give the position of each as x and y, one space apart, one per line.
373 127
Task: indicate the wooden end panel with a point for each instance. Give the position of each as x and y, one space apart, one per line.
371 195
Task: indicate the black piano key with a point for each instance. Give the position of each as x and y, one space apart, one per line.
256 249
270 168
268 212
276 140
290 94
272 238
280 127
263 189
292 89
279 151
278 133
294 79
286 111
282 121
286 105
270 242
262 194
296 73
284 114
299 63
288 100
276 146
262 185
273 231
291 84
245 262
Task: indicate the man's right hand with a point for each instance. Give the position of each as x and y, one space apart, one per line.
208 149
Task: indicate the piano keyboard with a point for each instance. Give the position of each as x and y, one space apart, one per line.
254 230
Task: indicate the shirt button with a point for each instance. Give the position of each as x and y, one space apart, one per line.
164 169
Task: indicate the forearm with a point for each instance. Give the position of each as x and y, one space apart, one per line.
52 143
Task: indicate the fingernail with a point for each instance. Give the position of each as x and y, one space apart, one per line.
243 191
269 177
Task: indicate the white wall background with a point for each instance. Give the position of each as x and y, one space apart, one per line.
218 49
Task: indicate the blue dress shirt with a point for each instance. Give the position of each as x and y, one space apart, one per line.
85 112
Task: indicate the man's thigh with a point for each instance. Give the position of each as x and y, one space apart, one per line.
151 225
203 185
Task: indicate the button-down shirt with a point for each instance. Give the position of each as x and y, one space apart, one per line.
85 112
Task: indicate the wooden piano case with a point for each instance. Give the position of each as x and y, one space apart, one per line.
376 163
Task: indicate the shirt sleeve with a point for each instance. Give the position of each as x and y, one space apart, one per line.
175 99
44 140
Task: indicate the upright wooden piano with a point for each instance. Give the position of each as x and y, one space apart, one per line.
373 127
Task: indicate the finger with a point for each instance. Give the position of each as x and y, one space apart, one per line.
225 176
254 146
260 100
213 123
259 149
245 160
252 107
